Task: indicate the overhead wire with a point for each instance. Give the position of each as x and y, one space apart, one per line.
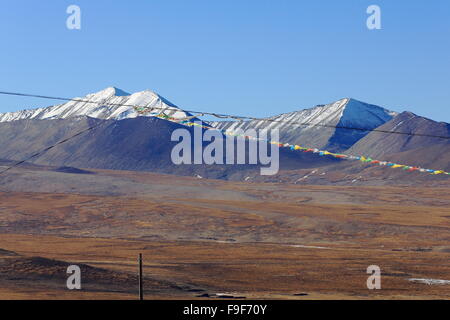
230 116
140 110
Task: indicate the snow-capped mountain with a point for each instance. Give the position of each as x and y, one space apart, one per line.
315 127
105 104
143 143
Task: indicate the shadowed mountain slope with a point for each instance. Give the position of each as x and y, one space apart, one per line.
423 148
139 144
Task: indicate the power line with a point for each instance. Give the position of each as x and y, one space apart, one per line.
228 116
199 113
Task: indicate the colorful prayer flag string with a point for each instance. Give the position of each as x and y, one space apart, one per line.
185 121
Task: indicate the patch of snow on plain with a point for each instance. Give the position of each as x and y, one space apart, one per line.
430 281
307 247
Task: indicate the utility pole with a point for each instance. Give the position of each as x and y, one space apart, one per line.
141 287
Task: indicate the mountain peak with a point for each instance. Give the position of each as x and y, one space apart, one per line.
111 91
358 110
417 132
405 115
326 126
109 103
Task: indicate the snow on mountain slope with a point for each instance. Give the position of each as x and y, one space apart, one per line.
309 127
313 127
104 104
344 112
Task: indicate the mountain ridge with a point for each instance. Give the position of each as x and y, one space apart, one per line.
145 145
322 126
109 103
421 144
137 144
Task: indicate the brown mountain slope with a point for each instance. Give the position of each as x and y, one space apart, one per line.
428 150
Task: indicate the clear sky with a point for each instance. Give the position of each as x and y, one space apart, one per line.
252 57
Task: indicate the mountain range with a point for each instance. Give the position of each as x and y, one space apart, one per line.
323 126
110 103
123 140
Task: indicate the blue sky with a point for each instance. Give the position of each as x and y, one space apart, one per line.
245 57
